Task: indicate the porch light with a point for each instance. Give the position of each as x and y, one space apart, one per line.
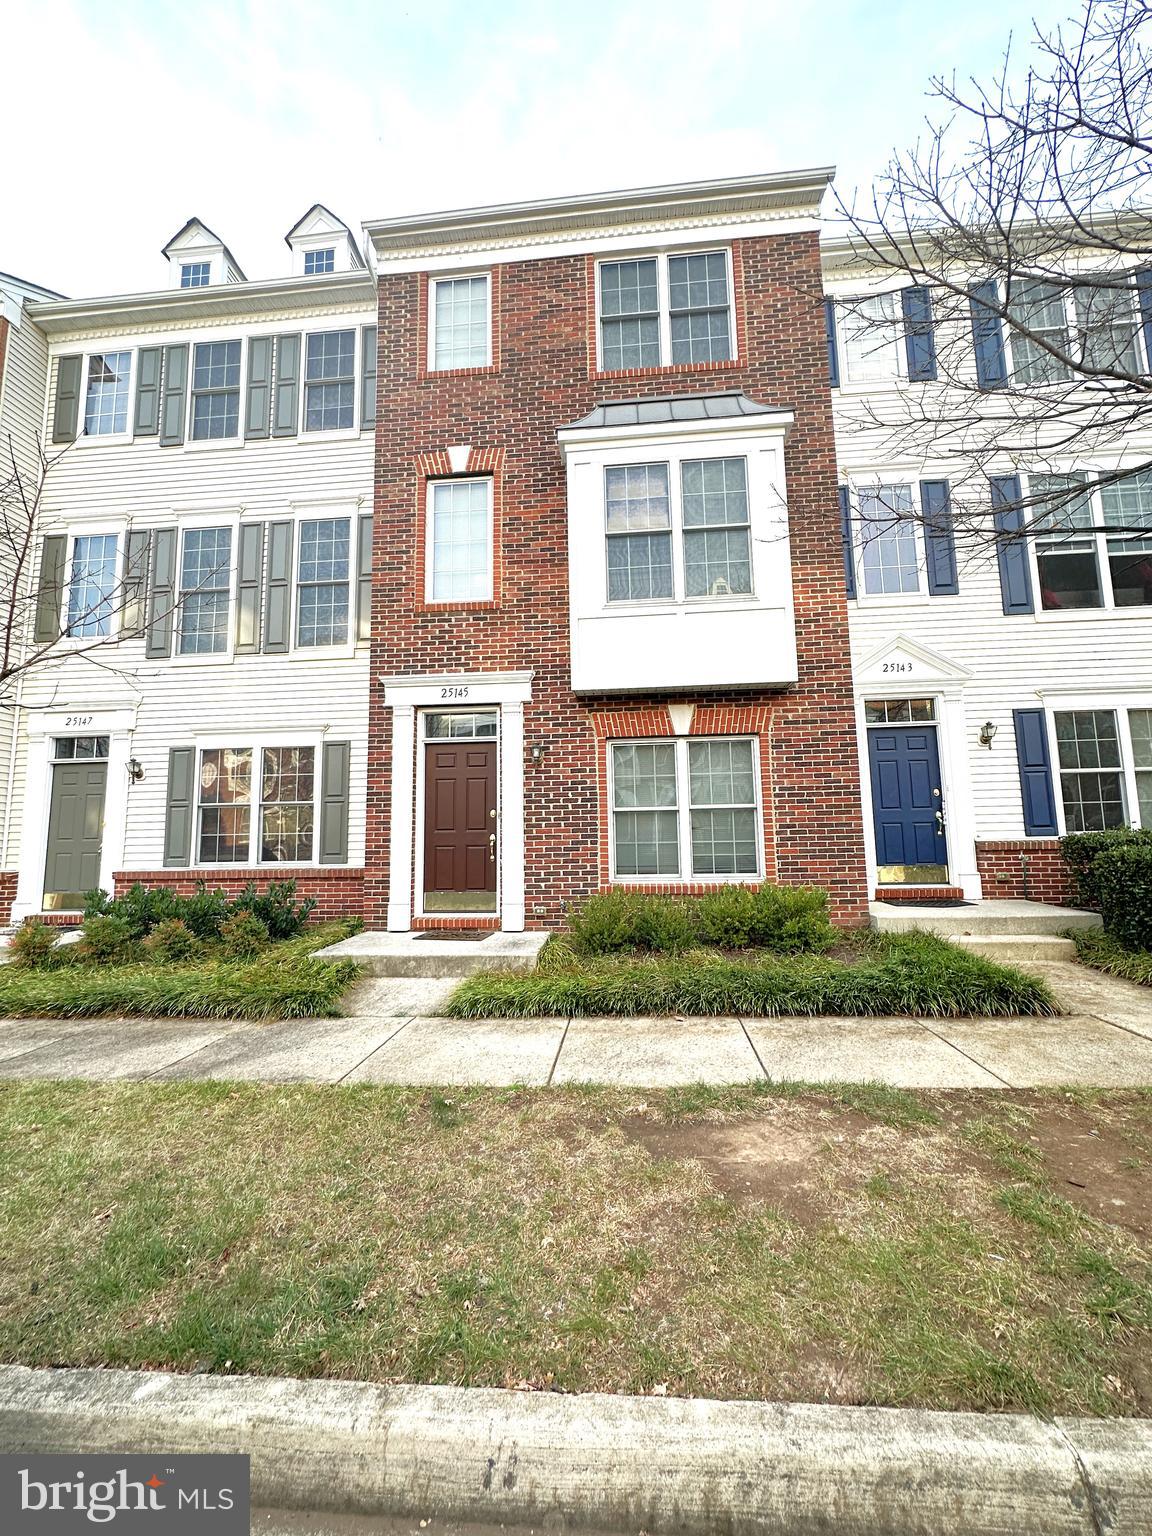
987 732
536 753
135 770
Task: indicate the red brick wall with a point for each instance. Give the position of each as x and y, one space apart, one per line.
339 892
8 879
545 378
1027 869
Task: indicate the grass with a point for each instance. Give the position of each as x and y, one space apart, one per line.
1099 950
911 973
283 983
899 1248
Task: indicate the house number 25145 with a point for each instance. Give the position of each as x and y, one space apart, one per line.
454 693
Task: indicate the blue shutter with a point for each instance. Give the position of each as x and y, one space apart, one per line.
846 535
988 336
1011 553
919 333
1036 792
830 336
1144 294
939 538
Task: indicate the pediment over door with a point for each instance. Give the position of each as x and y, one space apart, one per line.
904 665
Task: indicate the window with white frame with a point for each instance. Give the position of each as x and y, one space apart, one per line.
330 381
318 262
459 542
1091 547
323 581
887 540
684 808
92 585
242 819
707 501
195 274
659 310
1095 323
461 322
106 393
205 590
1104 758
215 390
870 332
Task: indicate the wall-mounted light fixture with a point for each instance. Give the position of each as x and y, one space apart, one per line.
135 770
536 752
987 732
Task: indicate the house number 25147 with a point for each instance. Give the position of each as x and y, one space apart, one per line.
454 693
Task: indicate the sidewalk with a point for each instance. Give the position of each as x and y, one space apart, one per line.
391 1035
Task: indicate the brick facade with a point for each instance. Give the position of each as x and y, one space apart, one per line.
8 879
339 892
544 377
1028 869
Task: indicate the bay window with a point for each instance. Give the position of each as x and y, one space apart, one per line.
685 809
705 504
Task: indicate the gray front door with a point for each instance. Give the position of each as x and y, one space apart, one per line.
75 832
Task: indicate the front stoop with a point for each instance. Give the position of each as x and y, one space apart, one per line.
998 930
416 954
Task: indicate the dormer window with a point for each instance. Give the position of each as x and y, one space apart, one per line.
195 274
317 262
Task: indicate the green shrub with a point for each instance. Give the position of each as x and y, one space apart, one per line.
105 940
282 915
172 941
243 935
1100 950
33 944
788 919
1080 850
139 908
1123 879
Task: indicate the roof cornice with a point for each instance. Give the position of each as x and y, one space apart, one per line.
775 195
225 301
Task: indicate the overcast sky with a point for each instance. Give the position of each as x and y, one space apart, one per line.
119 119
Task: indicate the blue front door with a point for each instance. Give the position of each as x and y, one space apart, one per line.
907 805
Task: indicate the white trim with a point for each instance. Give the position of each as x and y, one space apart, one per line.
429 539
423 742
451 277
661 255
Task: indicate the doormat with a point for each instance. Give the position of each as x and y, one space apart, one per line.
451 935
926 901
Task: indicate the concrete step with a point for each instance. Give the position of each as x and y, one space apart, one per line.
983 917
416 954
1015 947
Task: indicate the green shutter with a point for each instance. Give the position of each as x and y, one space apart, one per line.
146 422
161 594
286 395
50 590
135 584
333 844
368 376
173 396
66 412
250 578
258 407
180 806
364 578
278 591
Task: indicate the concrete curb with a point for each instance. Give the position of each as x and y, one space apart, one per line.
616 1463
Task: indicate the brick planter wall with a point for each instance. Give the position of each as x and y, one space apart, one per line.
544 377
8 879
339 892
1027 869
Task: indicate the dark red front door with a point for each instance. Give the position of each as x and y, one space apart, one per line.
460 827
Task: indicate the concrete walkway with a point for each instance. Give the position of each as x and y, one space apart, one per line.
391 1035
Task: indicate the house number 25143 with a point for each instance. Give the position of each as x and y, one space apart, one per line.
454 693
896 666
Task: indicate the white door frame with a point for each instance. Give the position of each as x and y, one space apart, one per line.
419 832
405 696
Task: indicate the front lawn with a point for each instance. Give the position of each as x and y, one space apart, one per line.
282 982
986 1250
1100 950
909 973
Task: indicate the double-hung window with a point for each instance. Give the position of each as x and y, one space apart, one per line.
1092 323
888 559
677 534
205 588
323 580
461 327
215 390
92 585
256 805
870 332
459 542
1093 543
661 310
318 262
684 808
195 274
1104 758
330 381
106 394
